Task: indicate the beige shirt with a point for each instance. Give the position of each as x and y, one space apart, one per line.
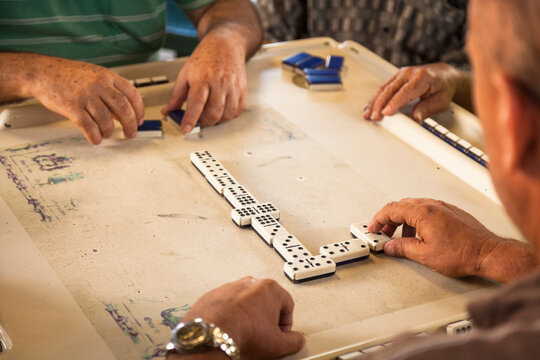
507 326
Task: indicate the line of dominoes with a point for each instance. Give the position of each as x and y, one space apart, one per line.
453 140
300 264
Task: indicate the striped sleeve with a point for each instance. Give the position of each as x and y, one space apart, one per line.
193 4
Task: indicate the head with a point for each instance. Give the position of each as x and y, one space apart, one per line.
504 48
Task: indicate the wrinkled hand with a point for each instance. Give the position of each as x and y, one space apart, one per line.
213 82
257 314
450 241
435 85
89 95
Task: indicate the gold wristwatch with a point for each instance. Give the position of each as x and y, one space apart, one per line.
197 336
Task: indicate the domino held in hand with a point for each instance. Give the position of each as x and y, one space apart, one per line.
375 241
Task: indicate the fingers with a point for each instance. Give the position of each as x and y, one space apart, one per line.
286 311
196 100
123 110
88 127
214 107
404 247
431 105
101 116
394 214
291 342
133 96
381 98
412 89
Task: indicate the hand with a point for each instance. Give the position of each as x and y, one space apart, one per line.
257 314
89 95
450 241
213 81
435 84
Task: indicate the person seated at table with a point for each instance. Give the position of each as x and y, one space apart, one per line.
258 314
55 51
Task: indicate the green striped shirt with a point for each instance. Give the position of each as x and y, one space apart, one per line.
104 32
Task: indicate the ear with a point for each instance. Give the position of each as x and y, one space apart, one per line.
518 117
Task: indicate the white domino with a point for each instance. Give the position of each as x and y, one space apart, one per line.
200 159
242 216
268 228
309 268
346 251
238 196
459 327
375 241
221 180
290 248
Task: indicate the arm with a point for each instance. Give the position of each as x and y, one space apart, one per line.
451 241
435 84
89 95
249 310
214 81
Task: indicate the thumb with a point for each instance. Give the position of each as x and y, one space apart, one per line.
290 342
402 247
431 105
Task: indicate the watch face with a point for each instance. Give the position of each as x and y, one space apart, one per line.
191 335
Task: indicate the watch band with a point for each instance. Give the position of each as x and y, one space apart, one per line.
223 341
217 339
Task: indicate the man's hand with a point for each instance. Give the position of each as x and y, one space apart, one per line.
89 95
451 241
257 314
213 82
435 84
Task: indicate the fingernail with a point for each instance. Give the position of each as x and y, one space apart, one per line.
141 121
389 248
386 111
163 111
418 115
132 135
187 129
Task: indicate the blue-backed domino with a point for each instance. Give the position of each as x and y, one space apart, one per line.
150 128
176 116
318 82
321 72
289 63
334 62
310 63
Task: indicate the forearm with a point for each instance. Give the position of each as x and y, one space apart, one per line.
233 19
18 71
505 260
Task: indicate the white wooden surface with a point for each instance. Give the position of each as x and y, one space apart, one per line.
142 230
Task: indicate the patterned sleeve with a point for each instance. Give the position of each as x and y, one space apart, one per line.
283 20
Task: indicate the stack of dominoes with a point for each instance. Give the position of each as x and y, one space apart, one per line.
300 264
316 73
148 81
452 139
